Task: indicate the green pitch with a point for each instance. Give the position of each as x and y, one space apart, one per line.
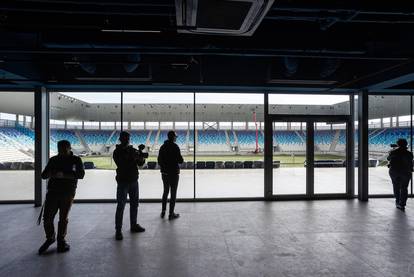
290 160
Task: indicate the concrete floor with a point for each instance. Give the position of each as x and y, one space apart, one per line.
18 185
295 238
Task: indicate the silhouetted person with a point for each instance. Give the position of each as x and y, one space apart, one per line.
169 158
401 166
63 172
127 160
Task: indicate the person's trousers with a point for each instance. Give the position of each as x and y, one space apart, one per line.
55 202
400 182
170 181
122 191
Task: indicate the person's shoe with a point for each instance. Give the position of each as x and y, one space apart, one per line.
173 216
402 208
46 245
162 214
63 246
118 235
137 229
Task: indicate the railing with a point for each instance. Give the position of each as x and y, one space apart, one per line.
7 123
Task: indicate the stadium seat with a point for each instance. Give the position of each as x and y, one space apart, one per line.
27 165
151 165
258 164
190 165
212 141
201 165
183 165
210 165
238 164
247 139
89 165
229 164
219 164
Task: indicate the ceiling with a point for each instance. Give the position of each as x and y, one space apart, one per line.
292 45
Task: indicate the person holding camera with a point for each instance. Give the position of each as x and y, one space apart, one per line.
169 158
400 168
127 160
63 172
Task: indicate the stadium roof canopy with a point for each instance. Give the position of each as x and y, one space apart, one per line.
151 108
152 45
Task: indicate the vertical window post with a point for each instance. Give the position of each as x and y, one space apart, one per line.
363 157
41 141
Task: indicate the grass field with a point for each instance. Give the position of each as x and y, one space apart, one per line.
290 160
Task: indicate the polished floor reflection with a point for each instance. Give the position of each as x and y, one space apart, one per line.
294 238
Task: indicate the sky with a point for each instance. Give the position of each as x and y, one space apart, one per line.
207 98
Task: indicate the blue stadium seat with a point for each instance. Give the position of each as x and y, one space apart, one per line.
249 138
69 135
211 137
96 137
286 137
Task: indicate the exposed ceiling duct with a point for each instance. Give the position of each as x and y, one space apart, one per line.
225 17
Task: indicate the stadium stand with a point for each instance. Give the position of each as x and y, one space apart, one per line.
154 134
212 141
381 139
324 139
96 137
181 139
288 141
69 135
232 138
95 140
16 144
247 139
138 137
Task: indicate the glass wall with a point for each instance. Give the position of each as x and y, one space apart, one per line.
16 146
229 157
222 142
162 112
389 120
329 148
289 143
90 128
289 158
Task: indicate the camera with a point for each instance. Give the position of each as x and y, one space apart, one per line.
141 147
138 152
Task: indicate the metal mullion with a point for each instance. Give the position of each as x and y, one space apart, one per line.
350 150
268 151
411 137
194 148
310 157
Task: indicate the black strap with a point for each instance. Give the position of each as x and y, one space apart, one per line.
39 219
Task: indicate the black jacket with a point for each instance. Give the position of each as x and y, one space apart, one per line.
400 160
72 168
127 161
169 157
